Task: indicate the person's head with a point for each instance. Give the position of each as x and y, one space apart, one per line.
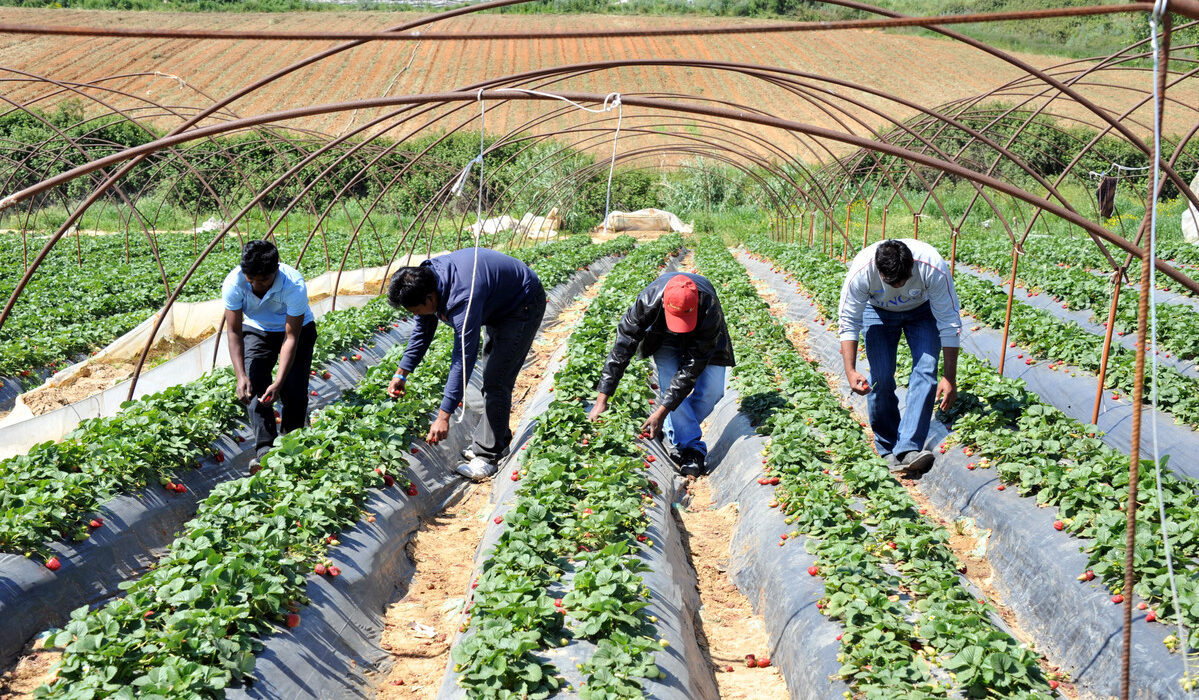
414 289
260 264
894 262
680 302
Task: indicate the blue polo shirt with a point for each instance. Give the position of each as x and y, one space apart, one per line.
288 296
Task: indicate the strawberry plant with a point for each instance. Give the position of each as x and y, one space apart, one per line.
577 521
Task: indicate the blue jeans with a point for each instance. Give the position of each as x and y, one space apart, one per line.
682 424
881 328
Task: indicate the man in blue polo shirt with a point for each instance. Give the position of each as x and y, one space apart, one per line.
509 301
268 322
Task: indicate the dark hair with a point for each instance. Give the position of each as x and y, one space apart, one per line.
410 285
259 258
894 261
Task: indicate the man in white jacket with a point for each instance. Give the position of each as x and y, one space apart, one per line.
901 287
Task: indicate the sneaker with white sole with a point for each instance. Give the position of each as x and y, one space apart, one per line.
477 469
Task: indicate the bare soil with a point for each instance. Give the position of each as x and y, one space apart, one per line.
730 627
34 668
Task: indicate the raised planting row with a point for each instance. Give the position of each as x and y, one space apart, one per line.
566 565
224 582
1076 288
1060 462
52 492
911 628
1044 335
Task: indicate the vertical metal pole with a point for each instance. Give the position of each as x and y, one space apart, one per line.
953 252
812 230
866 229
884 236
845 247
916 226
1007 317
1107 343
79 246
1138 385
25 246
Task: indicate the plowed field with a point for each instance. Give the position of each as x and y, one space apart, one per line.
192 73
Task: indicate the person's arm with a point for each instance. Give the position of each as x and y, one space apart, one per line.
629 332
234 337
287 356
943 300
849 324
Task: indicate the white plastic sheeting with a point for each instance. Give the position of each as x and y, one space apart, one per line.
646 220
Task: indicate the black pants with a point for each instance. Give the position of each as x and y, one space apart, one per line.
261 354
507 346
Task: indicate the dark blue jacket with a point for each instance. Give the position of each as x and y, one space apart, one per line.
503 284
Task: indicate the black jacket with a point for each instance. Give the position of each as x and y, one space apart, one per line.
645 324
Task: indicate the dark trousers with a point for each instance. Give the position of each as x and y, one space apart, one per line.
507 346
261 354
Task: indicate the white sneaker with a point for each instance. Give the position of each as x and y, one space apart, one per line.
477 469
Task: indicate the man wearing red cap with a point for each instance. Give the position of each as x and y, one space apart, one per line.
678 321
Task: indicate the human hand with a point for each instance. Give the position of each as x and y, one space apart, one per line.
245 392
269 395
438 431
857 382
653 424
601 405
397 387
947 393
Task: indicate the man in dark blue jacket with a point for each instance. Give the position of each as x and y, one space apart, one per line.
509 301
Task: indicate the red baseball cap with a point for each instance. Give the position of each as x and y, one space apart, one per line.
680 301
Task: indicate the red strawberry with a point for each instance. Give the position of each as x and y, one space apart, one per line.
1059 525
334 571
319 569
180 488
1090 575
970 466
95 523
498 519
1150 616
220 457
293 620
327 375
515 475
557 602
1142 605
1000 487
53 564
750 661
412 490
388 480
1053 685
414 450
651 459
586 511
1117 598
315 393
774 481
813 570
763 663
641 538
148 614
